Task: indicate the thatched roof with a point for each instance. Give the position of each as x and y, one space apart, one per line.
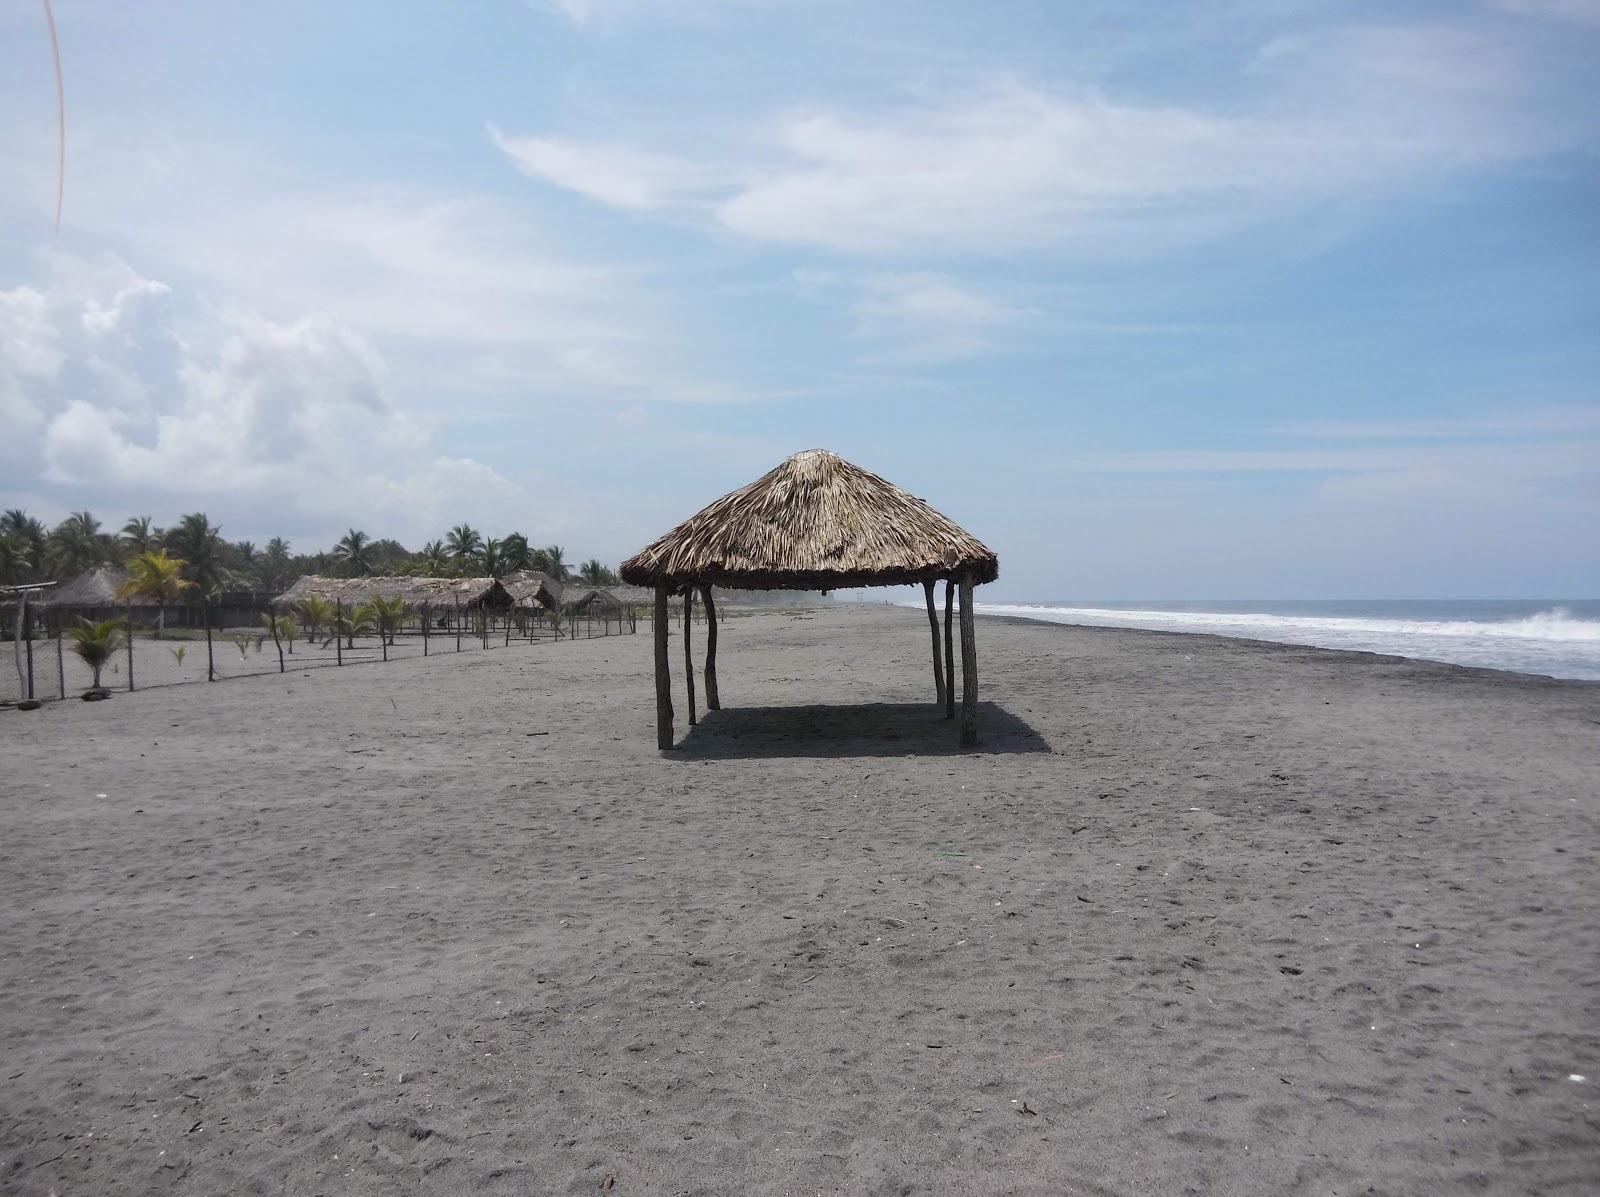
530 588
92 588
814 523
417 592
596 602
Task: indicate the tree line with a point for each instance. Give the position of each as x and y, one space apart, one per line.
31 552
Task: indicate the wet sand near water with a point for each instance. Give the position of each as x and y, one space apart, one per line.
1201 916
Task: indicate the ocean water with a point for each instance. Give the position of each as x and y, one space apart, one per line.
1555 638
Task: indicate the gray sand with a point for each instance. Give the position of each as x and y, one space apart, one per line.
1232 918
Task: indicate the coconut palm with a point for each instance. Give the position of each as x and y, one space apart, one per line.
30 534
155 578
354 551
388 614
275 568
434 560
594 573
492 560
464 544
96 643
76 545
318 613
140 535
514 551
279 627
198 543
13 558
358 621
557 568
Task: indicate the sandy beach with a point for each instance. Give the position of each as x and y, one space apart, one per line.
1201 916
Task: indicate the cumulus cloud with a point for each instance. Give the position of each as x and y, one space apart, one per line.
290 418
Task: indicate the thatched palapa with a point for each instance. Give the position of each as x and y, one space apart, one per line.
96 587
816 522
530 588
417 592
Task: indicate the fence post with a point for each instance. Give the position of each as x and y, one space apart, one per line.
338 632
27 635
130 644
211 660
61 664
508 629
427 619
455 607
273 616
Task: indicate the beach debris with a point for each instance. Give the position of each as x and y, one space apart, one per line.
953 855
1576 1077
609 1180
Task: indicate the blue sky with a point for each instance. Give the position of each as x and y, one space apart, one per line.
1271 298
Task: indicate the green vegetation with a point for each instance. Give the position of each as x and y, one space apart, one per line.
209 566
96 643
154 577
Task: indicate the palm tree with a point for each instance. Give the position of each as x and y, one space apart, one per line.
464 544
31 535
156 578
139 535
434 560
249 557
352 551
13 558
514 552
76 545
198 543
493 558
359 622
275 567
594 573
558 570
95 643
388 613
318 613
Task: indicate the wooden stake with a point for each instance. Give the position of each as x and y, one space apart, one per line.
713 699
949 651
933 623
688 652
663 677
969 665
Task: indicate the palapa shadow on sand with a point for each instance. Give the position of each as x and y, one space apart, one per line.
849 729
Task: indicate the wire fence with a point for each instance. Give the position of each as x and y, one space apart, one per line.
166 647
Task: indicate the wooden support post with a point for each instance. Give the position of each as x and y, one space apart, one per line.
949 650
427 618
713 699
130 644
969 665
933 622
211 661
688 650
663 676
61 664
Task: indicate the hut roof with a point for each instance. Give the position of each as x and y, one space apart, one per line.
438 592
595 600
816 522
529 587
93 588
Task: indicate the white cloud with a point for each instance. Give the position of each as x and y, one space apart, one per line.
1321 118
923 316
634 180
279 422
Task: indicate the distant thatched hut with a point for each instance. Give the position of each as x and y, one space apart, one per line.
93 588
816 522
595 604
470 594
530 588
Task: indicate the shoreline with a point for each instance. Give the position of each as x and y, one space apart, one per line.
1288 644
